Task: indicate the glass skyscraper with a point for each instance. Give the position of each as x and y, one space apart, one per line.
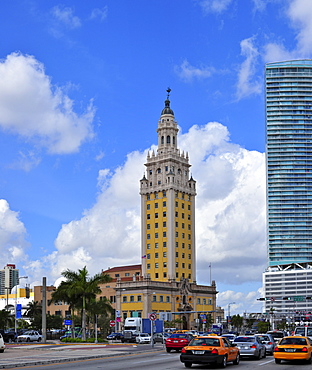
287 281
289 161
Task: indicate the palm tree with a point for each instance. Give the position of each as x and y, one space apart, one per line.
79 288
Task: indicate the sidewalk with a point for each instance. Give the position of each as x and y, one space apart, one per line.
35 354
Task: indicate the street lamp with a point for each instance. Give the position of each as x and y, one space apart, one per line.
229 313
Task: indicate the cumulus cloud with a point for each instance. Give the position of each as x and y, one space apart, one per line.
246 84
230 213
188 73
45 114
12 235
299 13
215 6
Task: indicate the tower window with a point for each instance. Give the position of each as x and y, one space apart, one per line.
148 236
168 299
156 235
156 195
159 170
183 255
164 204
182 225
151 172
156 205
183 245
164 214
165 274
177 264
189 227
165 264
182 235
162 140
177 224
156 265
182 205
164 234
173 139
156 275
177 214
148 226
177 275
189 266
188 217
148 206
168 139
164 194
148 266
165 254
166 168
177 254
148 246
156 225
148 256
148 216
156 215
182 215
177 245
165 244
177 204
164 224
148 197
189 256
151 184
158 182
189 207
189 236
156 255
156 245
183 266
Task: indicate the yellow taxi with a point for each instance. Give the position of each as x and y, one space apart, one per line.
293 348
209 350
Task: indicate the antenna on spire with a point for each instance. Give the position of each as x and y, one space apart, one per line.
168 91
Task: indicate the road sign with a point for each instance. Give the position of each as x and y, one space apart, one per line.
152 316
67 322
18 311
112 323
299 298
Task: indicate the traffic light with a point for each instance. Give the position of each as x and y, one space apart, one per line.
263 299
27 292
286 298
308 297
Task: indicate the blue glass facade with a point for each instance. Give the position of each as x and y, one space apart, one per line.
289 161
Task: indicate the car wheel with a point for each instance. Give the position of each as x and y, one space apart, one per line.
278 361
168 350
28 340
187 364
236 361
224 362
264 354
39 339
309 360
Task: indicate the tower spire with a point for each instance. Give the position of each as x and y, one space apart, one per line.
167 109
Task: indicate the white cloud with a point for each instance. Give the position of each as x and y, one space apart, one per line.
215 6
12 235
65 16
299 13
46 115
188 73
239 302
100 14
246 86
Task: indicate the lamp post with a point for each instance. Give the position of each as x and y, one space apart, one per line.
229 314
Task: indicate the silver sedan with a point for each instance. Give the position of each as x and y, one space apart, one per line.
250 346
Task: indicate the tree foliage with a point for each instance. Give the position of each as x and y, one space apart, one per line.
79 290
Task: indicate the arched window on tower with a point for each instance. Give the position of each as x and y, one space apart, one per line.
168 139
173 140
162 140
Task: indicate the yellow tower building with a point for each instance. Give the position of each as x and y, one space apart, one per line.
165 283
168 207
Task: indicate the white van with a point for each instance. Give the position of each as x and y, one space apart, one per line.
305 331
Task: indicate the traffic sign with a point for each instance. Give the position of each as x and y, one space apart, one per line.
112 323
299 298
152 316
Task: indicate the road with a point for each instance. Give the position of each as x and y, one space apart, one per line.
160 361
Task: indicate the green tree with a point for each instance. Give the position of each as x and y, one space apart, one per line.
80 290
34 312
237 322
263 326
6 319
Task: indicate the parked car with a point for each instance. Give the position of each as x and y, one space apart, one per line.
8 335
177 341
293 348
30 336
250 346
268 341
2 345
209 350
229 337
115 336
143 338
160 337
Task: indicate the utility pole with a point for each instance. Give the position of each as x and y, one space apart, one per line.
44 309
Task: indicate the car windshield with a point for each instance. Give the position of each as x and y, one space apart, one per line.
263 337
28 333
296 341
178 336
205 342
144 335
277 335
244 339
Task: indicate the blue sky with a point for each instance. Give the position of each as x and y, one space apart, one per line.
82 88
